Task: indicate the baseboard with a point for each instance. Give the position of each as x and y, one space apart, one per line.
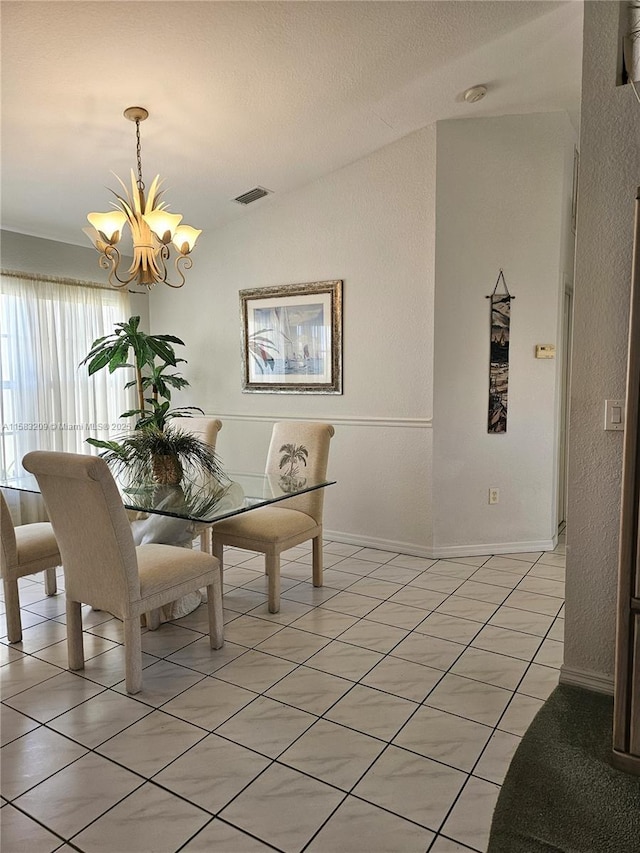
587 679
479 549
449 552
381 544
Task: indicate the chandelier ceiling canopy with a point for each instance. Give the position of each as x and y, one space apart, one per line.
153 229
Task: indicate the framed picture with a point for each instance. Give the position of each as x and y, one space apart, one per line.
292 338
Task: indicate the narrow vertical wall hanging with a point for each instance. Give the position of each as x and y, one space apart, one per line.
499 360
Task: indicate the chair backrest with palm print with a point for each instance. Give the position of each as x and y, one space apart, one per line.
300 450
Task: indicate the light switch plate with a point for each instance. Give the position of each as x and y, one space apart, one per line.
545 350
614 415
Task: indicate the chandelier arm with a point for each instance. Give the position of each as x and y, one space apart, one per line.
162 258
187 263
110 260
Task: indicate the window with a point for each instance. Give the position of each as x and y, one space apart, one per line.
48 401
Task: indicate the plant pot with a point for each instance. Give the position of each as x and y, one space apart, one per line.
167 469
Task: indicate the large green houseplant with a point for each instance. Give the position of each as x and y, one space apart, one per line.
154 450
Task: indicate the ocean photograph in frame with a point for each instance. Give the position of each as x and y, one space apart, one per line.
292 338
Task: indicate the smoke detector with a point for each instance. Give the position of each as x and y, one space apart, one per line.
475 93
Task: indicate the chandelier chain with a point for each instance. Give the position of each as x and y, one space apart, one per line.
139 155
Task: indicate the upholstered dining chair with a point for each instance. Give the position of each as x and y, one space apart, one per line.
275 528
25 550
103 567
207 429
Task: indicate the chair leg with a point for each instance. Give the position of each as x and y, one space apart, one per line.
75 647
272 563
217 549
216 619
133 654
317 560
152 619
50 582
205 541
12 607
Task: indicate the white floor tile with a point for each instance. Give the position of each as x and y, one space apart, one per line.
411 786
333 754
345 660
470 820
358 826
100 718
446 845
255 671
519 714
310 690
266 726
483 703
539 681
150 744
20 834
449 627
148 821
551 653
75 796
13 725
403 678
372 711
213 772
34 757
493 638
490 668
521 620
350 720
373 635
293 644
54 696
218 835
283 807
494 761
444 737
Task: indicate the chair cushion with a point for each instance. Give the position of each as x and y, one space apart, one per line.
265 524
37 547
163 566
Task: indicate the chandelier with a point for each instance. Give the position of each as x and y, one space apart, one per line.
152 228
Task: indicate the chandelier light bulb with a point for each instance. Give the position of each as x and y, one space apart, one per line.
109 225
163 224
185 238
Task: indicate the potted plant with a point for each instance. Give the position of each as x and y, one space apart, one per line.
154 450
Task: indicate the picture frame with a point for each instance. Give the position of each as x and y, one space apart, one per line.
292 338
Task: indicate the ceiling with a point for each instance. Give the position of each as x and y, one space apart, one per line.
242 94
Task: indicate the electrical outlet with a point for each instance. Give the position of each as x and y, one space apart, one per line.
494 496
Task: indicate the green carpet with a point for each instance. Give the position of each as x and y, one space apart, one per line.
561 793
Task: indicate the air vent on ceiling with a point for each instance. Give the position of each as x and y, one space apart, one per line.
252 195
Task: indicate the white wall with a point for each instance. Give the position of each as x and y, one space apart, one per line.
503 200
23 253
609 176
371 224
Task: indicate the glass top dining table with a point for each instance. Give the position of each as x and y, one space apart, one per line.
203 501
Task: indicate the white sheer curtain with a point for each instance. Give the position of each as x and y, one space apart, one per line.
48 401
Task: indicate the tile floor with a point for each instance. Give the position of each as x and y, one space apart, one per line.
378 713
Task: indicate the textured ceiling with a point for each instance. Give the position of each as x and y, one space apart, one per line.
250 93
